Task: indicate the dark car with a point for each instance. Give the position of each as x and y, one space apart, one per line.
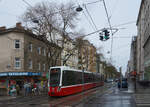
124 83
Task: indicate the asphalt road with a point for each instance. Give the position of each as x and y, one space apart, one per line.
106 96
113 97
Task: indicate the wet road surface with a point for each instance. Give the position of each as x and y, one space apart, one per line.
112 98
106 96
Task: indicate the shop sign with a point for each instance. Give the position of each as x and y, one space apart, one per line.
3 74
35 73
20 74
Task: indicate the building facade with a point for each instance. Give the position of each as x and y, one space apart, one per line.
69 54
143 25
87 56
23 57
133 55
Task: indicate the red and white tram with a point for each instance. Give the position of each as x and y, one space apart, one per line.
66 81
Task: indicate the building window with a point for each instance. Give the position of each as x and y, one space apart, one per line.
17 44
39 66
43 67
39 50
17 63
44 52
30 64
30 47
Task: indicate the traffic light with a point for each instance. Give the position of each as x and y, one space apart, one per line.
106 34
101 38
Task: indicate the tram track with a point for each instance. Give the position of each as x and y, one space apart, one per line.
46 101
77 98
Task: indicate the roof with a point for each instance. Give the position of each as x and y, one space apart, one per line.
27 32
20 30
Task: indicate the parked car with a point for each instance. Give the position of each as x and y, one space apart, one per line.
124 83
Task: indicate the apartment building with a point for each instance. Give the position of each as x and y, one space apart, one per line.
23 56
133 55
69 54
143 26
87 56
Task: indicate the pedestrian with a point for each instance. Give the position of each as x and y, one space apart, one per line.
40 88
9 88
18 89
37 89
13 90
34 88
25 89
44 87
29 89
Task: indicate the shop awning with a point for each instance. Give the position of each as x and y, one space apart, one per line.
20 74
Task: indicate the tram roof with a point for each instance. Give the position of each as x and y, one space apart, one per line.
69 68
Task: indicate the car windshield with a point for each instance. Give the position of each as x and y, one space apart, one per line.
124 79
55 77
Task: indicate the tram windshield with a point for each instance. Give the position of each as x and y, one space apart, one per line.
55 77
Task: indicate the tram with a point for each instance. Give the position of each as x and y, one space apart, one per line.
65 81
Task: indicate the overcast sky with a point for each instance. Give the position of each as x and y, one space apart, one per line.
121 11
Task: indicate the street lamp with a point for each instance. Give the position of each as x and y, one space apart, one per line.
35 20
79 9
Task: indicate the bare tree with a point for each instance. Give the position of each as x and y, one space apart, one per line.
51 19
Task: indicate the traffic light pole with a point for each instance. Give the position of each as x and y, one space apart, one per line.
109 26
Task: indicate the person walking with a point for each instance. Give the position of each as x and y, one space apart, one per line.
25 89
29 89
18 90
37 88
13 90
34 89
40 88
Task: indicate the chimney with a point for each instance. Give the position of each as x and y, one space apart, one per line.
19 25
2 28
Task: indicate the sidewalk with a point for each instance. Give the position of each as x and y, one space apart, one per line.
2 98
142 96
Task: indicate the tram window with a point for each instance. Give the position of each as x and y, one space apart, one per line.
69 78
85 77
78 77
55 77
90 78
